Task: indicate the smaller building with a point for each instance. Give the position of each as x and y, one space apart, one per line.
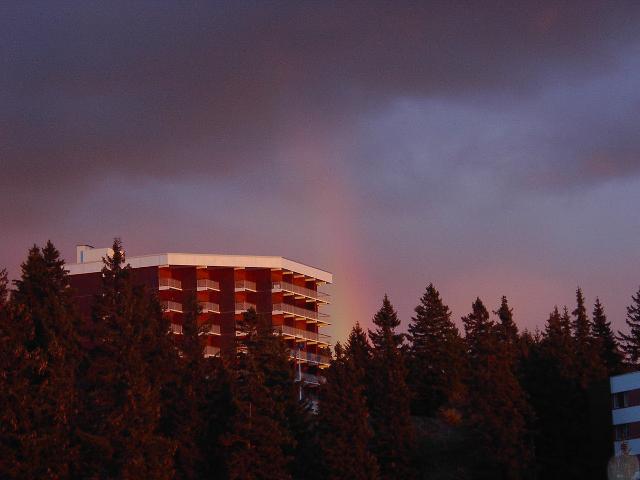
625 411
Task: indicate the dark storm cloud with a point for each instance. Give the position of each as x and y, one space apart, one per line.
162 90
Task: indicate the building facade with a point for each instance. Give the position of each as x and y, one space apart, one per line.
226 286
625 411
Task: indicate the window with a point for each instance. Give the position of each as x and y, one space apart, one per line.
620 400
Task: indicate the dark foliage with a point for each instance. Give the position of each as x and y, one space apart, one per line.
631 341
259 445
389 397
343 423
39 358
605 341
436 356
117 396
497 406
122 376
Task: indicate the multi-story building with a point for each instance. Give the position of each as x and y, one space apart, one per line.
625 413
226 286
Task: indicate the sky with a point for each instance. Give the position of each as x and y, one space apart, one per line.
492 148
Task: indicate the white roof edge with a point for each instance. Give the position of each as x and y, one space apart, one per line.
210 260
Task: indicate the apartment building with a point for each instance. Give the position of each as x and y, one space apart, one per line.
625 413
226 286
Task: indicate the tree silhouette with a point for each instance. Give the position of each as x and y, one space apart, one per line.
389 398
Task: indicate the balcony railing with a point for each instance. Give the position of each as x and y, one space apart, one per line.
210 351
245 285
312 379
170 284
300 312
301 291
211 329
170 306
309 357
244 306
208 284
286 330
175 329
209 307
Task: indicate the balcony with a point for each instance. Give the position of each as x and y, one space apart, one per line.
245 285
209 307
169 284
175 329
205 284
299 292
311 379
170 306
308 357
242 307
210 351
211 329
309 315
301 334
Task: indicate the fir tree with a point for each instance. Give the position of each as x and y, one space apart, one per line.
497 408
217 412
553 391
4 288
436 355
122 377
385 336
259 445
183 396
507 329
43 357
478 329
631 341
358 349
588 366
343 420
581 327
558 343
389 398
606 342
13 389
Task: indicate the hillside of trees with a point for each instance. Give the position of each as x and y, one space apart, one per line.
116 396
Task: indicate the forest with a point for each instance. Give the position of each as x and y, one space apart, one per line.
116 396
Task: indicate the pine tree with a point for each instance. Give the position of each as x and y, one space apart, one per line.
358 349
558 342
183 396
631 341
14 389
389 398
588 366
4 288
606 342
478 329
343 420
217 412
42 353
560 383
507 329
122 377
553 391
436 355
259 444
497 408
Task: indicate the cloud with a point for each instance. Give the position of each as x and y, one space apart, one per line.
162 90
151 119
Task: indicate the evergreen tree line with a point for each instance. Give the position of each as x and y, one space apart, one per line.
116 396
